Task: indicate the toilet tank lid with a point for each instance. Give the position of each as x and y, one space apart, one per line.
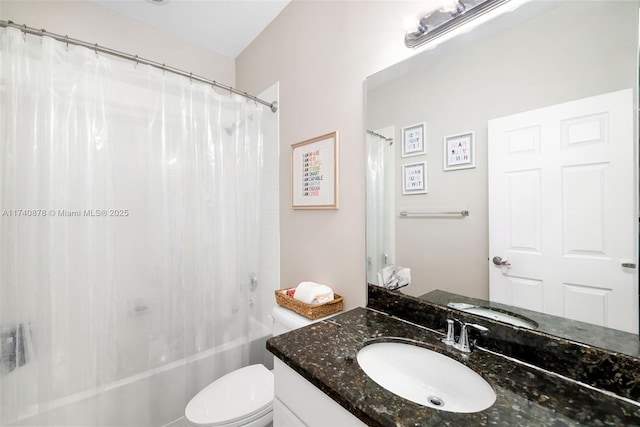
238 395
290 319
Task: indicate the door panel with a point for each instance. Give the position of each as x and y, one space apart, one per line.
526 292
583 216
587 304
523 199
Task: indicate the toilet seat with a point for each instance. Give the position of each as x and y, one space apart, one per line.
237 398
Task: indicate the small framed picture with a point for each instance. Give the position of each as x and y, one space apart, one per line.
414 178
314 173
459 151
413 143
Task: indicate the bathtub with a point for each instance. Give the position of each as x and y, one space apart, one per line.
156 397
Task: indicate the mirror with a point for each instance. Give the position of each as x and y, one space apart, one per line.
539 55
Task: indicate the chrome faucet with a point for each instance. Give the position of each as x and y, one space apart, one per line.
463 340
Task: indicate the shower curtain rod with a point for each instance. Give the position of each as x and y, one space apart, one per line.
135 58
389 140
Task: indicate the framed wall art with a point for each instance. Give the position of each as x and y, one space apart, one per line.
459 151
414 178
413 140
314 173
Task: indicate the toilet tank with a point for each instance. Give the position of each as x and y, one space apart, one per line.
285 320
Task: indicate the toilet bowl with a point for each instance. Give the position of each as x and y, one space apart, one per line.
243 397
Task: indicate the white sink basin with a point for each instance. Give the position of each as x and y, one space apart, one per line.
500 315
503 317
426 377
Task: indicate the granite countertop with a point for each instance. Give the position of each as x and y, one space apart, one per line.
325 354
594 335
598 367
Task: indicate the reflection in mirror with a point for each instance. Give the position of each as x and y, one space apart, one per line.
494 313
380 188
545 324
561 59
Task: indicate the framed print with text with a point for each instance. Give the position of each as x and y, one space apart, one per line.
314 173
414 178
459 152
413 140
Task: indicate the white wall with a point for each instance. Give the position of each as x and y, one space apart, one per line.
321 53
87 21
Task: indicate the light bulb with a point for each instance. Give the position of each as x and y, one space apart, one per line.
448 5
410 23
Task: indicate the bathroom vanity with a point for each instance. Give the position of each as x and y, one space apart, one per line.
600 387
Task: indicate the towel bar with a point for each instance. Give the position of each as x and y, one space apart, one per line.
462 213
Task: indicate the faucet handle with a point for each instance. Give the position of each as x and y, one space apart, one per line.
478 327
463 342
450 339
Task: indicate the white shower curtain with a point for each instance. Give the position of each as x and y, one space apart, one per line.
380 206
129 219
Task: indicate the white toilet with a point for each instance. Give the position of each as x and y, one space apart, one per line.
243 397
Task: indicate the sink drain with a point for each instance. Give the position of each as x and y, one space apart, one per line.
435 401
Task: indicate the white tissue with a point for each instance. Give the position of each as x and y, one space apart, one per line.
392 277
313 293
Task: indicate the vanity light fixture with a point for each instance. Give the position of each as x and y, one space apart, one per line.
449 15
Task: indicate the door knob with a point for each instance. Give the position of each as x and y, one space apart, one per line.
501 262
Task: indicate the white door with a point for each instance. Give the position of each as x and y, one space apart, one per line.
563 211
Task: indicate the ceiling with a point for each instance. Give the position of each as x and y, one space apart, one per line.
223 26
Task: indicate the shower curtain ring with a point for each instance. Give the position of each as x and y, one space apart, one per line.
136 62
24 32
95 49
190 77
66 40
163 69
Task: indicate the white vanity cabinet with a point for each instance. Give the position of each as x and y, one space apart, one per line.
299 403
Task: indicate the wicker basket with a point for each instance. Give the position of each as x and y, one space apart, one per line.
310 311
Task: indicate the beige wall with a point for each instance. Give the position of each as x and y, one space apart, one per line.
321 53
84 20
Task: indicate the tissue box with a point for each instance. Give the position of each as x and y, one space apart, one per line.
310 311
